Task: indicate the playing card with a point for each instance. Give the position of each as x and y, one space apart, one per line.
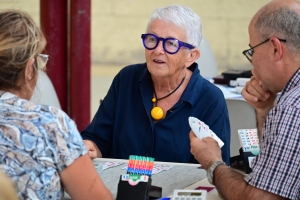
159 168
201 130
107 165
195 126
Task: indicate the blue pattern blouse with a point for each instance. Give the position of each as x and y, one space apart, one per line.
37 142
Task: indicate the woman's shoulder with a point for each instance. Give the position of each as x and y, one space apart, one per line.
211 88
57 126
208 88
44 111
45 115
204 85
24 110
57 116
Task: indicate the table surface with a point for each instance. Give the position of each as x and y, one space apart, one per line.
181 176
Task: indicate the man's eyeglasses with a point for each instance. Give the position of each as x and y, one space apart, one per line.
42 60
170 45
249 52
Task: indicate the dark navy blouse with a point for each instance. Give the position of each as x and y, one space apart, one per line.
123 125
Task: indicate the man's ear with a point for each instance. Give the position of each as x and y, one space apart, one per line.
193 55
276 49
30 71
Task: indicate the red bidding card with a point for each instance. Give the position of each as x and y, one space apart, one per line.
207 188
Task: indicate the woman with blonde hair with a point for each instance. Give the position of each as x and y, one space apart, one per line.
40 146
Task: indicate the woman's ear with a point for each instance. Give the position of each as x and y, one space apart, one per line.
30 71
193 55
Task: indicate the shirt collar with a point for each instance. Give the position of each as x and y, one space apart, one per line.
193 89
6 95
293 82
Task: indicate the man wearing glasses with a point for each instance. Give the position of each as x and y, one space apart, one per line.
147 107
274 52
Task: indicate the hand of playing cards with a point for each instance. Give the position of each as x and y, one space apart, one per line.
201 130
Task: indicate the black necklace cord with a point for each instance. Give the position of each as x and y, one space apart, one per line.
155 99
157 113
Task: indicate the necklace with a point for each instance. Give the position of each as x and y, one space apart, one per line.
157 112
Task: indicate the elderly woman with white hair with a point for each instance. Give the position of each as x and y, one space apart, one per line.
147 107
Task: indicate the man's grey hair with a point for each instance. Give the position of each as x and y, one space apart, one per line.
283 23
182 17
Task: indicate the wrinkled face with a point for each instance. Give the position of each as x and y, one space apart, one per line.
262 65
159 62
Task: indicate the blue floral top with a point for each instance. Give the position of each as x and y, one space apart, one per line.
37 142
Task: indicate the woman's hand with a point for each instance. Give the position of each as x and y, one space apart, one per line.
92 149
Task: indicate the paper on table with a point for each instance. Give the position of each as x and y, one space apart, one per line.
229 92
107 165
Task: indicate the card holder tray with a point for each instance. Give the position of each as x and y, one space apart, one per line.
141 191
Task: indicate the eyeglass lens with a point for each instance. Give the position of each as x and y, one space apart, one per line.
43 59
169 45
249 52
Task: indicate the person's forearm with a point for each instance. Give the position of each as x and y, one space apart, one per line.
232 186
227 180
261 116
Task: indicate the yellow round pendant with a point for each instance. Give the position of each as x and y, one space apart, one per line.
153 99
157 113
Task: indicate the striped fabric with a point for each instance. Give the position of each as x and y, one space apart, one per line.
277 167
36 144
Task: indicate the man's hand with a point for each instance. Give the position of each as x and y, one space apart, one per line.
260 98
206 151
92 148
257 96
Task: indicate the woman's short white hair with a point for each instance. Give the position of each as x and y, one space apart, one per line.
182 17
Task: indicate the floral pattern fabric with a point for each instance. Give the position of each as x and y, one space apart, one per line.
37 142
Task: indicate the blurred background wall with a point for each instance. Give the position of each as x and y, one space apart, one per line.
118 24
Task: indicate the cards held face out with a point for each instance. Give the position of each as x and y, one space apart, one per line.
201 130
